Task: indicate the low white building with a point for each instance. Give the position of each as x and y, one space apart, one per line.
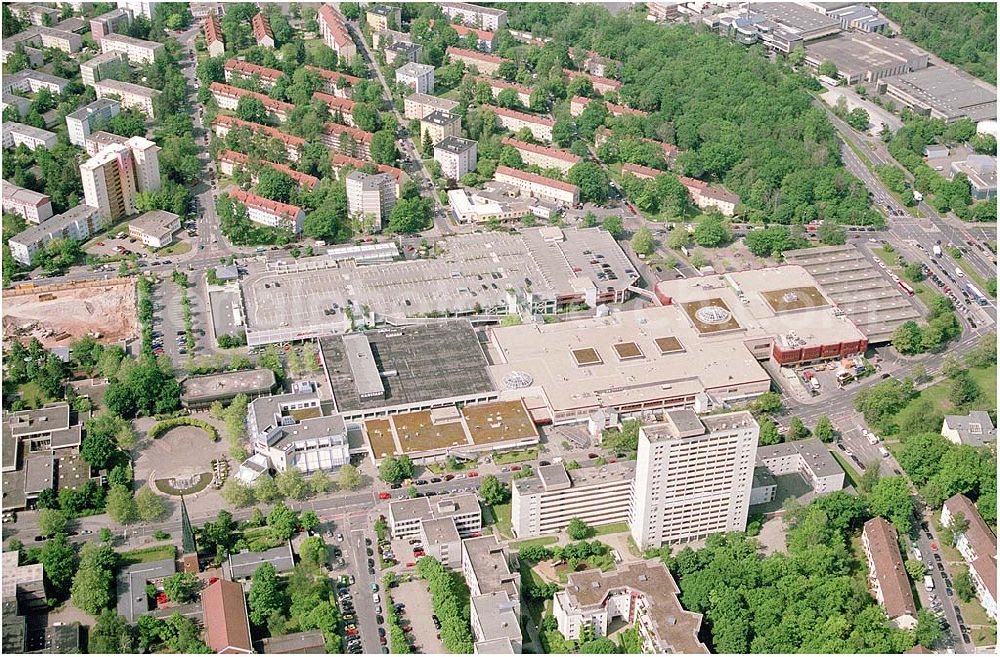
107 66
536 186
138 51
417 106
128 95
809 458
978 546
78 223
548 501
29 81
32 206
407 516
18 134
155 228
975 429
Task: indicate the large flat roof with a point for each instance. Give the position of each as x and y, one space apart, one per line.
857 288
557 477
812 451
855 53
420 363
545 353
471 271
948 92
488 560
227 384
428 508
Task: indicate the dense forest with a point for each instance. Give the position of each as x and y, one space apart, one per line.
735 116
963 33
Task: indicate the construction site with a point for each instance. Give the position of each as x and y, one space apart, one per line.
57 315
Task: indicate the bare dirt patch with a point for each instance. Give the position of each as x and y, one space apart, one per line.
58 315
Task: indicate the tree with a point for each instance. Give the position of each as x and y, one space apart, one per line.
712 231
292 484
964 588
600 645
149 506
768 432
578 529
282 522
52 522
797 430
265 490
366 117
882 401
313 551
824 429
100 443
769 403
59 563
908 338
915 569
828 69
928 632
592 180
615 226
348 477
237 494
321 482
493 491
390 471
121 506
309 520
642 241
251 109
409 215
110 635
91 591
831 234
858 119
383 147
181 587
275 185
265 597
963 390
890 498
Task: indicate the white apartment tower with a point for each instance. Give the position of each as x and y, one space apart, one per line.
693 477
113 177
371 196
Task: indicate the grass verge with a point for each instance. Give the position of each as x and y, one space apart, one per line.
852 475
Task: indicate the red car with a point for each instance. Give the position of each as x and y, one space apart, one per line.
384 495
449 477
591 456
515 468
473 474
351 632
612 460
934 546
410 564
407 628
418 553
381 640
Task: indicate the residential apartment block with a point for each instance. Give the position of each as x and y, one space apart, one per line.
80 123
456 156
693 477
334 33
370 198
643 595
406 516
29 81
338 84
402 52
237 69
230 161
340 161
887 577
293 145
540 126
270 213
78 223
470 14
337 104
485 39
138 51
417 106
347 140
107 66
419 77
548 501
144 8
545 157
484 63
498 86
228 97
31 206
22 134
113 177
809 458
262 33
128 95
214 42
112 22
600 84
439 125
536 186
978 546
383 17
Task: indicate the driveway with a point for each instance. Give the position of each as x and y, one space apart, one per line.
417 598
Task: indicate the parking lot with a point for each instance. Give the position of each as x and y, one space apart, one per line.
113 246
168 321
417 614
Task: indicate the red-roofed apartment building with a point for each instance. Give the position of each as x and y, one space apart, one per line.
488 64
543 156
337 104
269 213
535 186
600 84
333 137
484 38
293 145
227 626
886 575
227 97
237 69
496 86
213 36
338 84
262 31
978 545
540 126
229 161
334 33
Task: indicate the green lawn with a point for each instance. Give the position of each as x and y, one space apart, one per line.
890 258
985 378
852 475
541 540
32 395
501 515
145 555
516 457
177 248
613 528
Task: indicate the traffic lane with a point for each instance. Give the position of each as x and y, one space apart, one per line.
936 570
364 603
